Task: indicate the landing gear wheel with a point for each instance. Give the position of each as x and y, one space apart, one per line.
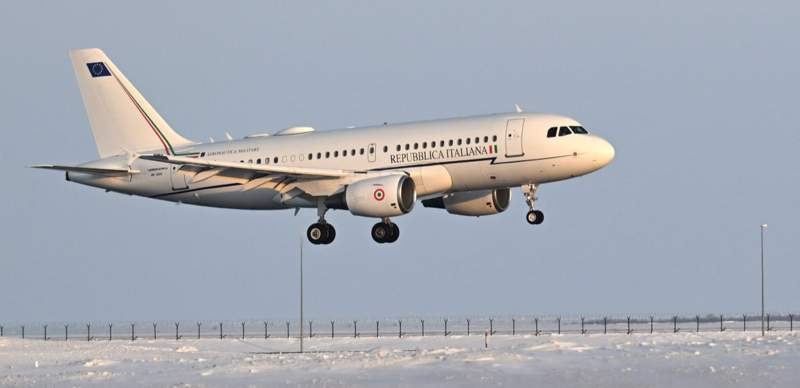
380 232
330 233
535 217
317 233
321 233
394 233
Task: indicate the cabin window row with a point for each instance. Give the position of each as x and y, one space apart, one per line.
441 143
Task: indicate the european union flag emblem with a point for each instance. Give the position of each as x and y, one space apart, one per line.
98 69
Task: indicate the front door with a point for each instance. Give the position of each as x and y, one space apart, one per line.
514 137
177 178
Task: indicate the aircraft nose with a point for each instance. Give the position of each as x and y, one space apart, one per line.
604 152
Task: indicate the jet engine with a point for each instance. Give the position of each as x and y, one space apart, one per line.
472 203
384 196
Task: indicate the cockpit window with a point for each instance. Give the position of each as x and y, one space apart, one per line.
579 130
564 131
552 132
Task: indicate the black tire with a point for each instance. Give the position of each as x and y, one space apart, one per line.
330 234
534 217
316 233
394 233
380 232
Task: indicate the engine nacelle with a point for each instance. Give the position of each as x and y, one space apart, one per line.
384 196
473 203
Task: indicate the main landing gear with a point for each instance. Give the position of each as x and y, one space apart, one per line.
385 232
321 232
534 217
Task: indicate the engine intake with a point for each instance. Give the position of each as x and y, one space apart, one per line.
384 196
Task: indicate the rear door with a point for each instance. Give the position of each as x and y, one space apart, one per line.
514 128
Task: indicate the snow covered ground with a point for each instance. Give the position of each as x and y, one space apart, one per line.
570 360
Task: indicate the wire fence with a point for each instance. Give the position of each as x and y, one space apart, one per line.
398 328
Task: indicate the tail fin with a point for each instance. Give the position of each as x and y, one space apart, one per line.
122 120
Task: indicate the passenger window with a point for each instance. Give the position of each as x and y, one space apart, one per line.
361 151
266 160
494 138
385 148
353 152
450 143
433 144
416 145
467 140
275 160
258 161
372 150
441 143
327 154
552 132
310 156
486 139
398 148
335 154
564 131
407 147
424 144
459 142
477 140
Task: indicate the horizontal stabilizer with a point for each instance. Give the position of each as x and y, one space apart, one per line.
88 170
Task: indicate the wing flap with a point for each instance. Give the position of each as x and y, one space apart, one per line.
305 172
88 170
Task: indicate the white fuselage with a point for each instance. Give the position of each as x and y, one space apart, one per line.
442 156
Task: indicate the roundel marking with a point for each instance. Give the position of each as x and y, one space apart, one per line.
378 194
97 69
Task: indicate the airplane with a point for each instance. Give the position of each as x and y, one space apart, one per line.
465 166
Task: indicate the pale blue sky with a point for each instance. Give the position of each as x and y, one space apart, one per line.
699 98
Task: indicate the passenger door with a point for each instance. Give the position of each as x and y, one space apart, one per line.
177 178
514 128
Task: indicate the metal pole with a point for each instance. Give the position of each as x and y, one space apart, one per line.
763 226
155 335
301 294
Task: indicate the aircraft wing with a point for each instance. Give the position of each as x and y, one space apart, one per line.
88 170
297 172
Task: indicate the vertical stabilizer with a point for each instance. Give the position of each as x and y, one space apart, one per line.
121 119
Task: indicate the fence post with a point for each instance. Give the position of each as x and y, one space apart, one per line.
767 322
536 327
400 332
674 324
467 327
155 330
559 325
1 330
177 336
266 329
377 329
133 333
66 332
721 328
491 326
242 330
583 331
310 329
513 326
88 332
651 324
697 318
744 323
220 329
287 328
45 332
331 329
355 329
791 324
445 327
605 325
198 330
629 324
109 330
422 321
23 331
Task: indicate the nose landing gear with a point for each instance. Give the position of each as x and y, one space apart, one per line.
534 217
385 232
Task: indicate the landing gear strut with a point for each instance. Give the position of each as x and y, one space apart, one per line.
385 232
534 217
321 232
